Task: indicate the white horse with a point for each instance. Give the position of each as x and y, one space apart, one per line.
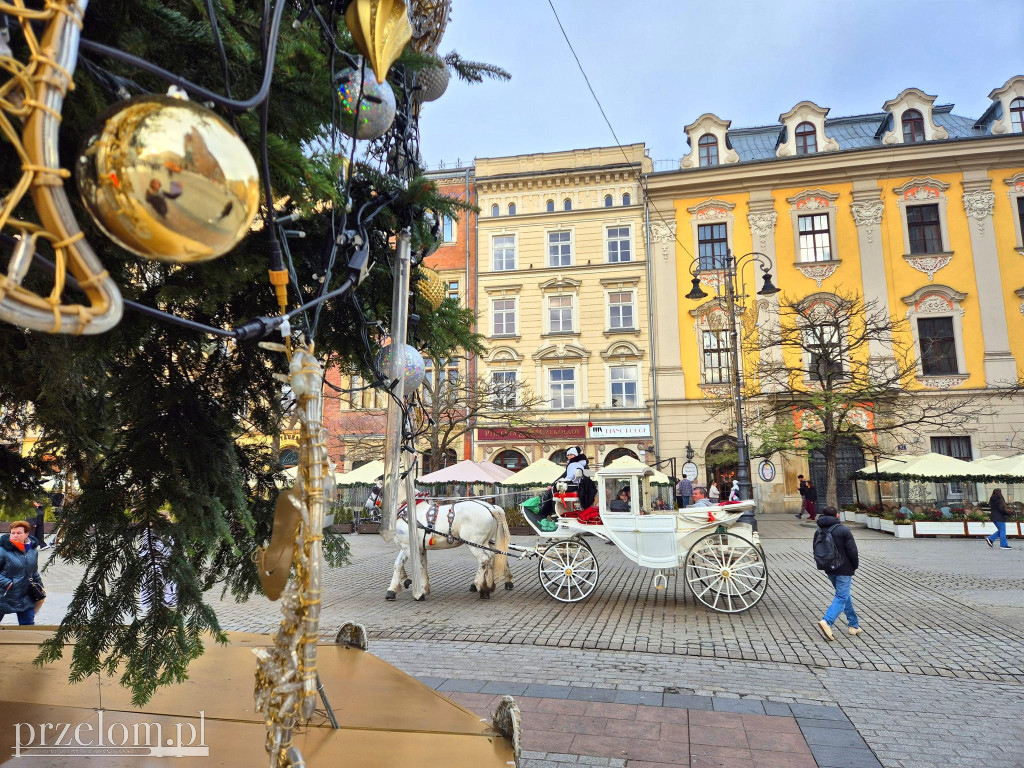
471 520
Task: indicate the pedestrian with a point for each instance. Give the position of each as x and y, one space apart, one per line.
713 493
38 524
811 500
803 493
19 563
699 497
684 492
997 513
734 492
835 552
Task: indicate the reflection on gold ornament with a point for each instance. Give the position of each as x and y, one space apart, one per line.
429 19
380 30
168 179
431 287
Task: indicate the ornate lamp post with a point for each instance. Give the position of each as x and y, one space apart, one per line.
730 269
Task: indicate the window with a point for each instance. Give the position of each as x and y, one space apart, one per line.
815 244
559 457
824 352
608 200
513 460
620 310
567 204
560 249
1017 115
1020 215
806 139
563 387
623 381
504 388
618 245
626 199
504 317
436 386
560 314
707 150
712 245
453 289
511 209
938 346
495 210
913 126
361 393
923 229
504 253
717 365
549 206
447 230
957 447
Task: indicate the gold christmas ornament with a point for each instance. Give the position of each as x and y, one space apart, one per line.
168 180
431 287
380 30
429 19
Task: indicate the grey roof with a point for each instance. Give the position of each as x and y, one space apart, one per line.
856 132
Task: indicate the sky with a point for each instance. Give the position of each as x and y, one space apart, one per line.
657 65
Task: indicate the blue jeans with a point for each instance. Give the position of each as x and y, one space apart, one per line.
1000 534
841 602
28 616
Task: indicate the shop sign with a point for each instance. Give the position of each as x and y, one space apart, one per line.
547 434
766 471
620 430
690 471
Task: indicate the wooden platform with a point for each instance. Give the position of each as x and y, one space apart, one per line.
387 717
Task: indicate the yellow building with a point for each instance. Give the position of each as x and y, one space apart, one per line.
913 207
562 300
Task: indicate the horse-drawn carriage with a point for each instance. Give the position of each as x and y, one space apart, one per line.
718 551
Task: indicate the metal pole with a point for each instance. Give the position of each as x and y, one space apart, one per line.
743 468
878 483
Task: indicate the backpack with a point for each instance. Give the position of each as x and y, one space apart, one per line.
826 554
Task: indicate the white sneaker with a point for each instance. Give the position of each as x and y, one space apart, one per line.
855 630
826 630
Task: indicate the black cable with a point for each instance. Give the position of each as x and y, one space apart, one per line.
211 12
232 105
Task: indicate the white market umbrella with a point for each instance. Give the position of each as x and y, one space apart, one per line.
364 475
628 462
468 472
542 472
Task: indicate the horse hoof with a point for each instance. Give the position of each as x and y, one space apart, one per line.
508 585
407 583
421 598
389 595
472 587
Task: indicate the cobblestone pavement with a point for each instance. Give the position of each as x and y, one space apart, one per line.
936 679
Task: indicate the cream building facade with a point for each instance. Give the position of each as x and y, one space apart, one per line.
562 300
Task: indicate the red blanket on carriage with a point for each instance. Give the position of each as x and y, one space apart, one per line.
590 516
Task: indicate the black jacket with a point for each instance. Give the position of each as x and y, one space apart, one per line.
803 488
843 538
811 494
997 509
15 568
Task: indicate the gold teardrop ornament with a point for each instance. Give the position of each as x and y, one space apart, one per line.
380 30
168 179
431 287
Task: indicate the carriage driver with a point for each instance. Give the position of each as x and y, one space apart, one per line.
576 462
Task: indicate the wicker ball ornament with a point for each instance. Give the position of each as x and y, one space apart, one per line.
431 287
415 368
432 82
375 102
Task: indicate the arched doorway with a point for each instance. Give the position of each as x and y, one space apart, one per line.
513 460
356 464
721 459
849 458
558 456
289 457
447 459
618 453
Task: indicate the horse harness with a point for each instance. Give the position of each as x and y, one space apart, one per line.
432 513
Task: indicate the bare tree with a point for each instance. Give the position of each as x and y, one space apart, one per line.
836 368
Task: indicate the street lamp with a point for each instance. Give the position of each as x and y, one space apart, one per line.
729 270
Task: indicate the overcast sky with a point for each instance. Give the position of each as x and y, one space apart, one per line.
657 65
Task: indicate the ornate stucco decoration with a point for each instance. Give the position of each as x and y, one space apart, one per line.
942 382
937 300
805 112
869 216
762 225
664 235
1012 89
715 391
560 352
978 205
1016 184
622 351
811 200
1020 295
818 271
715 126
714 279
912 98
929 264
921 190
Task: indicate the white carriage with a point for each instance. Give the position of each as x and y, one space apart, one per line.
720 557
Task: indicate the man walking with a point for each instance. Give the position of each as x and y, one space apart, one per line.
835 553
802 488
684 492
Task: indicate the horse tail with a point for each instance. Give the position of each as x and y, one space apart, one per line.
501 541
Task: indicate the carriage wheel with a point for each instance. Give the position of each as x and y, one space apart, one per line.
726 572
568 570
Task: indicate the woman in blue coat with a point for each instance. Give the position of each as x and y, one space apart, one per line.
19 560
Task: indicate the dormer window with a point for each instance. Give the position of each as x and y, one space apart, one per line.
707 149
608 201
495 210
913 126
549 206
511 209
1017 115
806 139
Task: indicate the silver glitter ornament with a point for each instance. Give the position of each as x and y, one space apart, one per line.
375 102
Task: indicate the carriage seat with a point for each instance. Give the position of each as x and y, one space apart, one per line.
570 501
